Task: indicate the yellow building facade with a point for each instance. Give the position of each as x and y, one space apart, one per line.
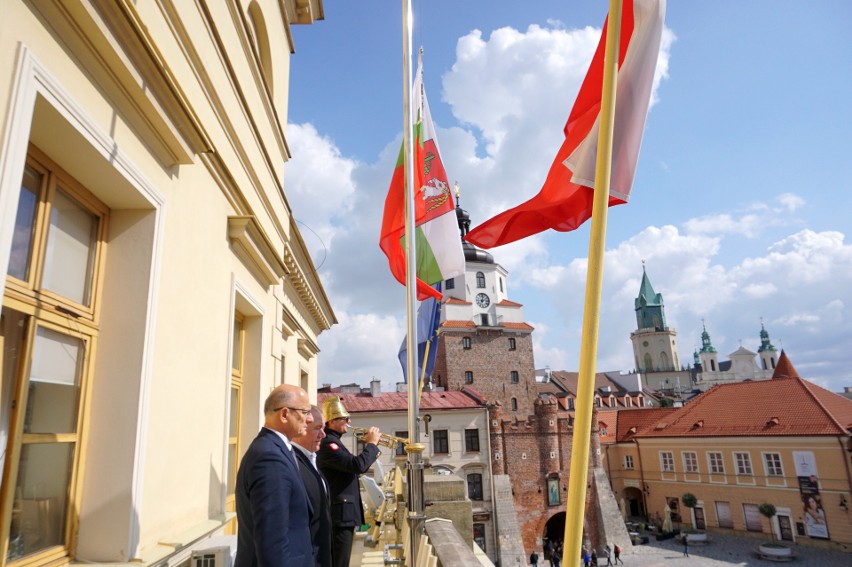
784 442
157 286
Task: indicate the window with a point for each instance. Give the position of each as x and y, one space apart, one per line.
46 332
471 440
514 404
466 343
598 401
514 376
690 462
501 285
468 377
773 464
743 461
479 535
512 343
450 283
628 462
667 462
237 359
602 429
400 449
474 486
441 443
570 404
716 463
480 280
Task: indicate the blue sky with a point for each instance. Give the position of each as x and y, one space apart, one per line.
741 203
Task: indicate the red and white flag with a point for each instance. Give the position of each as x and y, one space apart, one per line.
565 199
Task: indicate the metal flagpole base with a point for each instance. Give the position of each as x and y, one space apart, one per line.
416 506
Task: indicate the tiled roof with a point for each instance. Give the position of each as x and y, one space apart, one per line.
455 301
522 326
631 422
459 324
398 401
507 303
786 405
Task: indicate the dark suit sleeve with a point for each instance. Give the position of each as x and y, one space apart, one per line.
270 492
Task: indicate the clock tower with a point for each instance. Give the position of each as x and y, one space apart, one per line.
484 342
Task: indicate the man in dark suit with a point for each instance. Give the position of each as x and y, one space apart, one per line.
273 510
342 468
306 448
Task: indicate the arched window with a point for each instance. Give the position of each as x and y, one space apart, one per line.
480 280
649 366
474 486
514 377
664 361
514 404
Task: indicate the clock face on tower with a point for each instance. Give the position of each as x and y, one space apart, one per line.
482 300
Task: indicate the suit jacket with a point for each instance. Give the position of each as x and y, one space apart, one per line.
342 468
273 511
318 494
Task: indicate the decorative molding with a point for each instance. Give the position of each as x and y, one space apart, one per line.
253 247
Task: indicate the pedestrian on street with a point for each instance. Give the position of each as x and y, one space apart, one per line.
617 551
594 558
534 559
685 545
584 555
608 555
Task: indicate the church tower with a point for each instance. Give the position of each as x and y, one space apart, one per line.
708 354
654 342
484 343
767 352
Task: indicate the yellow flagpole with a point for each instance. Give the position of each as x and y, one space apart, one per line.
575 506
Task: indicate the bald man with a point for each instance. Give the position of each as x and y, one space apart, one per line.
306 448
273 510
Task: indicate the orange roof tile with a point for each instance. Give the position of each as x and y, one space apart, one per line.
632 421
787 406
522 326
507 303
456 301
458 324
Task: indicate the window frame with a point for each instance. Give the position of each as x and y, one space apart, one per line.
41 308
480 280
690 462
667 463
471 438
628 462
513 345
440 442
468 376
514 377
742 459
771 467
474 480
712 463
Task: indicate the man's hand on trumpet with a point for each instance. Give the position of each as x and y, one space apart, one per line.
373 435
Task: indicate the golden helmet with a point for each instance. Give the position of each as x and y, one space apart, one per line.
332 408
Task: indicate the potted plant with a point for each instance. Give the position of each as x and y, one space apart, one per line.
772 548
690 501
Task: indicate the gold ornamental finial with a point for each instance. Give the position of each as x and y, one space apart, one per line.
458 193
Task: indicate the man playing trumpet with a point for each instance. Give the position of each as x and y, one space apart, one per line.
341 468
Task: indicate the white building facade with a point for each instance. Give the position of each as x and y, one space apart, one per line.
157 286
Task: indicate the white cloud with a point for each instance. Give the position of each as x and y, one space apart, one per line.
511 92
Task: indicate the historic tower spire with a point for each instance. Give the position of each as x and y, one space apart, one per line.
768 353
654 342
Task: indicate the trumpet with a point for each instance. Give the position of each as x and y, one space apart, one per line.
389 441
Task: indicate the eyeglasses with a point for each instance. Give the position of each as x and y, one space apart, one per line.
305 412
346 419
